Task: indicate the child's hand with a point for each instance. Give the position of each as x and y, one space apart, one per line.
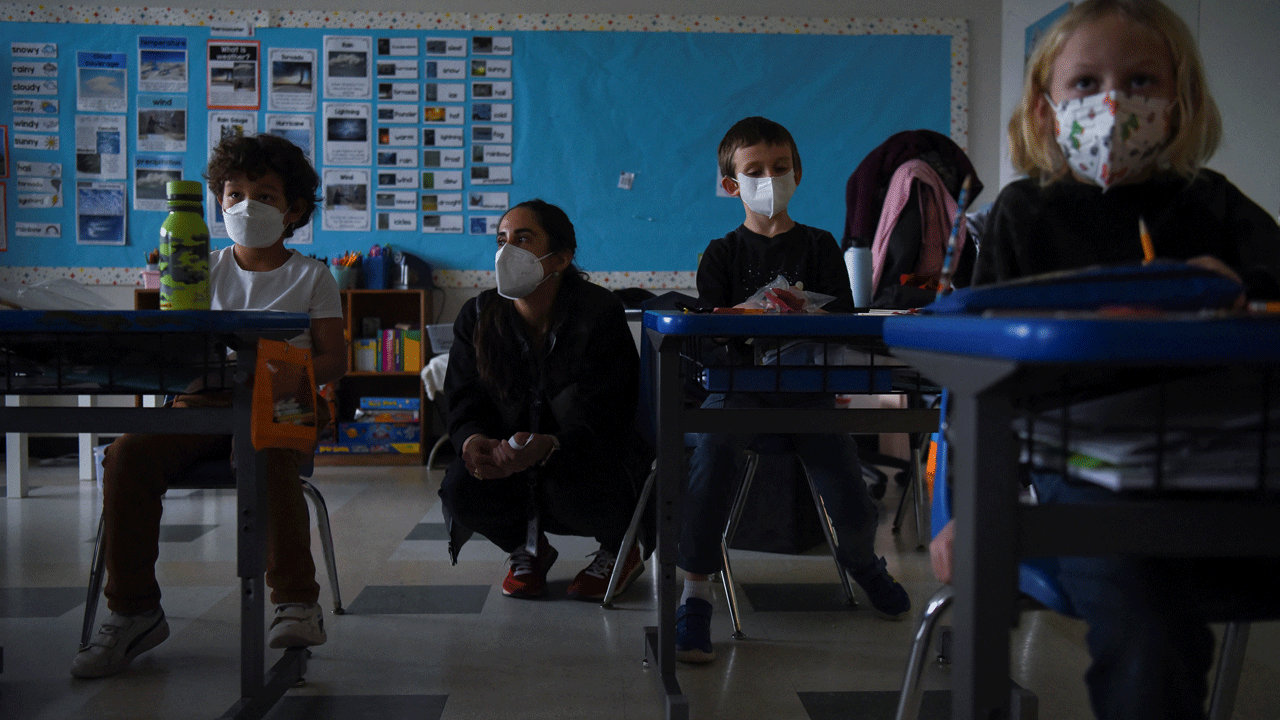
1213 264
940 552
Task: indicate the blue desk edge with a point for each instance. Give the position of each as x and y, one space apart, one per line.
764 324
141 321
1175 340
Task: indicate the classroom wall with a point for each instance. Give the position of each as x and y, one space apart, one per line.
981 16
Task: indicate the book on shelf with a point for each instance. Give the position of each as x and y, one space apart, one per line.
397 349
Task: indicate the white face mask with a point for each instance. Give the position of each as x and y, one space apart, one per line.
767 196
1111 137
518 271
253 224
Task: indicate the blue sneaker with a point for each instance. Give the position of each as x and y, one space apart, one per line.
693 632
887 595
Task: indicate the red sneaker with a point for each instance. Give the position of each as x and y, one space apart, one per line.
527 577
593 581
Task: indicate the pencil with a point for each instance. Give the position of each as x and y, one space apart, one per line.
1148 250
944 277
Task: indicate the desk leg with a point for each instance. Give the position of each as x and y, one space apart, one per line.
984 457
251 504
671 472
15 456
88 441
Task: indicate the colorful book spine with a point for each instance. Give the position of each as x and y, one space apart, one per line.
388 346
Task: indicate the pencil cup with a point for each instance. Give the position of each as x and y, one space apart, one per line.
345 275
857 261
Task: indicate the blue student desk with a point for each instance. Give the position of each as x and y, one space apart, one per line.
679 340
998 367
161 352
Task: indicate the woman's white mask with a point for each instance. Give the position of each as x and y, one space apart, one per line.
767 196
253 224
518 271
1111 136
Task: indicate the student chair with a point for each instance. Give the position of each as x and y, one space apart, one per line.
1038 584
215 473
763 445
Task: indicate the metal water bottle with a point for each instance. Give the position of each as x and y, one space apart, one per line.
184 249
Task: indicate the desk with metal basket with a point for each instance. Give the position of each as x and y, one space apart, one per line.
1007 372
161 352
807 354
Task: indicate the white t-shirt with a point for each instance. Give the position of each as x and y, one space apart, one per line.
300 285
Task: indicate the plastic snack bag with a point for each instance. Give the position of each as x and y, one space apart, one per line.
284 389
779 296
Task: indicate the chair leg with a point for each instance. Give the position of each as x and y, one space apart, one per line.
629 539
906 486
431 458
909 698
918 490
1230 662
96 572
326 543
829 531
731 528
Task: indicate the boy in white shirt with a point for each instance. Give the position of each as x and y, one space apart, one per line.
267 189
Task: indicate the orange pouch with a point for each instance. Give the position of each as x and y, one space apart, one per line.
284 392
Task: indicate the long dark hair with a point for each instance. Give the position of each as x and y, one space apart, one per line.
499 329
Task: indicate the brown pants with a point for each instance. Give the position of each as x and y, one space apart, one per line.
138 468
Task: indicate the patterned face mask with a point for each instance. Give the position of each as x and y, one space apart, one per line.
1111 136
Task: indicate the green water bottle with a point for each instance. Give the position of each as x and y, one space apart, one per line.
184 249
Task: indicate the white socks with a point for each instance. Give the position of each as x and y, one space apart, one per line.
700 589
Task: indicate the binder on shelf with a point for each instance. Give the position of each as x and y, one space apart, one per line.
366 354
412 350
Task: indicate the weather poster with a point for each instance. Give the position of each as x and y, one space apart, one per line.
293 80
162 64
348 70
233 75
100 213
346 134
101 82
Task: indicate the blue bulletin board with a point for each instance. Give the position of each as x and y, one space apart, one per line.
584 108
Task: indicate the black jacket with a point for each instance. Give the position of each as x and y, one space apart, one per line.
735 266
1070 224
586 390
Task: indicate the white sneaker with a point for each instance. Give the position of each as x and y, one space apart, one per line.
121 639
297 625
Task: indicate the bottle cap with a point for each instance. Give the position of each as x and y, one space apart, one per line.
184 189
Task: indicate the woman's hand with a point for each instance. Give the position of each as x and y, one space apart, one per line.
532 450
478 454
940 552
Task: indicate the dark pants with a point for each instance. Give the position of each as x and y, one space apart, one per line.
575 496
831 460
138 468
1148 618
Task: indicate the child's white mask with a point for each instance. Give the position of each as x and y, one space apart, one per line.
1111 136
518 271
253 224
767 196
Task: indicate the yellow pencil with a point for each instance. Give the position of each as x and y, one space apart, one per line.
1148 250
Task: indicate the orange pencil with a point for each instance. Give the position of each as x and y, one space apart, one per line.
1148 250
